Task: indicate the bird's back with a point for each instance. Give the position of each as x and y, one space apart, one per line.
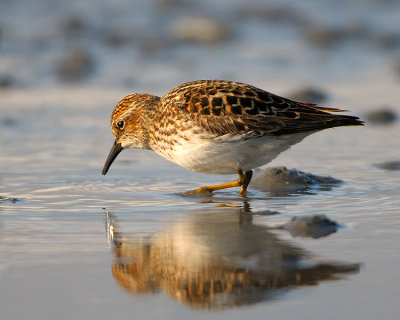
226 107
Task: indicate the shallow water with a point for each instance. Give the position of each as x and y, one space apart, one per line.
75 244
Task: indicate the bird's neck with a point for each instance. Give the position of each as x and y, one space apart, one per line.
151 116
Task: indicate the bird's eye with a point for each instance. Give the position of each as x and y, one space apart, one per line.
120 124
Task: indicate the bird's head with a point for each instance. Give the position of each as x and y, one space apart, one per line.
127 125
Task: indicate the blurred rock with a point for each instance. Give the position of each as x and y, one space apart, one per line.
276 14
8 122
310 94
388 41
381 116
117 38
323 37
6 81
151 45
199 29
389 165
356 31
72 25
165 5
316 226
76 65
397 67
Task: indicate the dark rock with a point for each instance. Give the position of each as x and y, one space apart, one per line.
282 182
76 65
117 38
310 94
275 14
283 177
6 81
389 165
397 68
169 5
72 25
316 226
8 122
381 116
388 41
323 37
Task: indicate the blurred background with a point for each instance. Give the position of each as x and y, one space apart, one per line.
154 45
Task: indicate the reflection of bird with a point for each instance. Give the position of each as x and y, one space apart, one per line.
215 260
213 126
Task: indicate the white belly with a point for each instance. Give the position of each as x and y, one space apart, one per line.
225 155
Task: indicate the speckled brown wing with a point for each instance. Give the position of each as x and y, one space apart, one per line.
225 107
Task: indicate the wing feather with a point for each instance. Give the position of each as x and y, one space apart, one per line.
225 107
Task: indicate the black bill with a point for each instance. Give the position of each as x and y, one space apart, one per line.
115 150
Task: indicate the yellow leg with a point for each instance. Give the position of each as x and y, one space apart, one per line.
247 178
243 180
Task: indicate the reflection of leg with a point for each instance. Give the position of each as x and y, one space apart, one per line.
112 233
247 178
109 225
243 180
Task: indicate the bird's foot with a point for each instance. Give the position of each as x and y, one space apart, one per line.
200 192
243 181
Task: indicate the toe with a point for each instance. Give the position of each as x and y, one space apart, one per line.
201 192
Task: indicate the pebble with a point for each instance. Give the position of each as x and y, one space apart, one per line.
199 29
382 115
275 14
8 122
309 94
397 68
315 226
117 38
389 165
72 25
322 37
388 41
6 81
75 65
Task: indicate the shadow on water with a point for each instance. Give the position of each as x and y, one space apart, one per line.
216 259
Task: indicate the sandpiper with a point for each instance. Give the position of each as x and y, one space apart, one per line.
216 126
